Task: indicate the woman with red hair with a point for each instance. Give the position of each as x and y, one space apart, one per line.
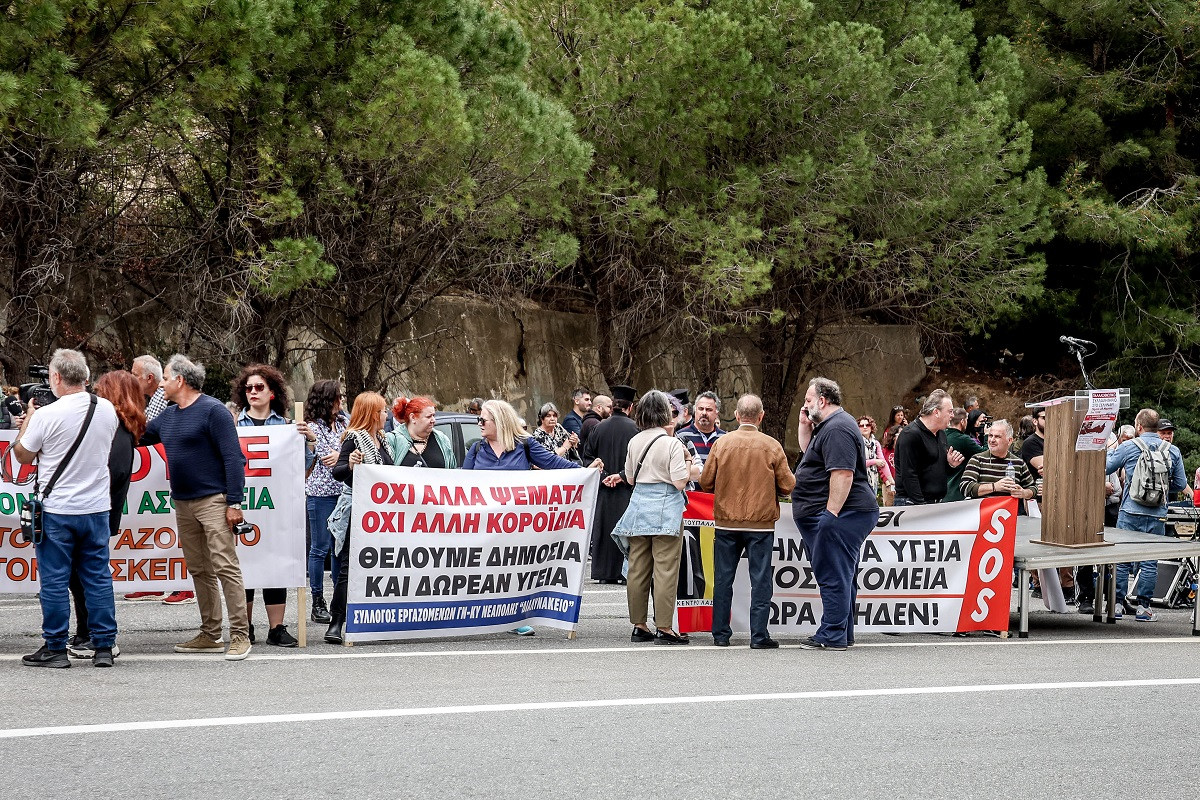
362 443
122 390
415 442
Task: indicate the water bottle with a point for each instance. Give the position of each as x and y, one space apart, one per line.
1010 472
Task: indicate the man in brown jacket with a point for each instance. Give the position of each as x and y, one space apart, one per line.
747 471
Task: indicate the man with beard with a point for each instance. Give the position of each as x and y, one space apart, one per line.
601 410
609 441
834 507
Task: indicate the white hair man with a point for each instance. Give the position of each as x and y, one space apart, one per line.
149 374
70 440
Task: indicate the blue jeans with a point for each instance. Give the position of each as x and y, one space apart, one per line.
84 538
1147 570
321 542
727 551
834 546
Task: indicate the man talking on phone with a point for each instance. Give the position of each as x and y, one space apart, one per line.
834 507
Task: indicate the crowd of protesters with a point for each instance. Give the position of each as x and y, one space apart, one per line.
649 450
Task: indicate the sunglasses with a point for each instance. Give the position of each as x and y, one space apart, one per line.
251 388
480 421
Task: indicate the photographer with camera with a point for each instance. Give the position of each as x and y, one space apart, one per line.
70 440
207 486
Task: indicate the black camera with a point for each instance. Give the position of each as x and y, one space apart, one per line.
243 529
39 392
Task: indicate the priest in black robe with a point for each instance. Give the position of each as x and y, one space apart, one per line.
609 441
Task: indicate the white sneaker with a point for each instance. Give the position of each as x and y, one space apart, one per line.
1120 611
1144 614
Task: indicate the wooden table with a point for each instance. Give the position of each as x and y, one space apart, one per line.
1125 546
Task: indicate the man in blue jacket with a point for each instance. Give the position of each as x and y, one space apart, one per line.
1134 516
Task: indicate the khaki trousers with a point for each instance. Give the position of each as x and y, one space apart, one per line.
657 556
207 544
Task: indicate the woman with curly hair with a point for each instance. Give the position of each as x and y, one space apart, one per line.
262 394
326 419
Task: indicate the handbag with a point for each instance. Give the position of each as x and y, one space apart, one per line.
33 512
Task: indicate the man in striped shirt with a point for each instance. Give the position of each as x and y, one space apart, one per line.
986 473
704 429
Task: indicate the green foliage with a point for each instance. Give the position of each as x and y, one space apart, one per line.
290 264
785 167
1111 92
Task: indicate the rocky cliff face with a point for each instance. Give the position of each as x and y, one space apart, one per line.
462 348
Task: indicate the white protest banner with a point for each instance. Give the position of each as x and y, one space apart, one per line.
146 556
455 552
944 567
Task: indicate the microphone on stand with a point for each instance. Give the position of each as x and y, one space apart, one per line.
1081 348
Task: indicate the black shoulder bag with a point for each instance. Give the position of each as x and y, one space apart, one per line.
642 460
32 527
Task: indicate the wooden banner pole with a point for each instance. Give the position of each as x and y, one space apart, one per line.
302 592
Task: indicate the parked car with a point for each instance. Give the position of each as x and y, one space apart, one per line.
462 429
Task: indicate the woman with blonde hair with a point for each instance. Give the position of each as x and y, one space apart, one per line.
507 445
362 443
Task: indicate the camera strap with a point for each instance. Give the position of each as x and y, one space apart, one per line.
91 412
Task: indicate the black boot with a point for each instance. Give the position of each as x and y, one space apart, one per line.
334 634
320 611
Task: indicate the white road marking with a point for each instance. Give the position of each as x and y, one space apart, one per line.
624 702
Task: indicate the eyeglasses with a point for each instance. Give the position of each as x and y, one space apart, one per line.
251 388
864 425
482 421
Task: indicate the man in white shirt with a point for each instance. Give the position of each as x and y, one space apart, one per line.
76 508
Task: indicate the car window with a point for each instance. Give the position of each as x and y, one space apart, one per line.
470 434
447 428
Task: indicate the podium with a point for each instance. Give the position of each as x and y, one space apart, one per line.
1073 480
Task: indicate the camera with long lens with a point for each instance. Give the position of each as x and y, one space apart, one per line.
39 392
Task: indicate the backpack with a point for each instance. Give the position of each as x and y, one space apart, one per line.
1148 485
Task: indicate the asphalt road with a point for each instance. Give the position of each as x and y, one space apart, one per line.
1078 709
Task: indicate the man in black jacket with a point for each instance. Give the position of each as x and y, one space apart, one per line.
923 455
609 441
